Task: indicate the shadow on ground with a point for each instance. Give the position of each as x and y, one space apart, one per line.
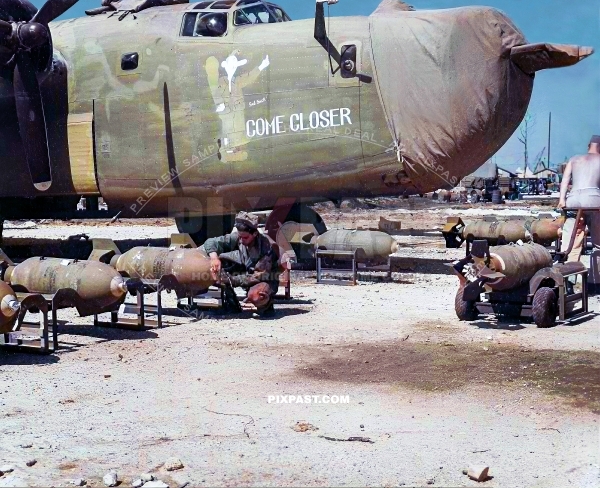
16 357
508 323
105 333
280 313
572 375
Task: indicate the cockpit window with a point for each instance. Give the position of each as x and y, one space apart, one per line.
203 5
204 24
256 14
223 5
279 14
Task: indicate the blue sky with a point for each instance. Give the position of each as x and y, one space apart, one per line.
571 94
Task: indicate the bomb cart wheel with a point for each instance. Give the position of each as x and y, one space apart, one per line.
465 310
544 307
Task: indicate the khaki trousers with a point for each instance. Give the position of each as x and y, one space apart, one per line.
584 198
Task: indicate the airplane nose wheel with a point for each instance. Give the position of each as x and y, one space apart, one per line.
202 228
297 212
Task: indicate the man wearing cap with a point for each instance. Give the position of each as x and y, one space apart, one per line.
253 262
584 171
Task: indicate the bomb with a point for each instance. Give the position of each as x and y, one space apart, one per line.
546 231
518 264
540 231
9 308
190 267
96 287
370 246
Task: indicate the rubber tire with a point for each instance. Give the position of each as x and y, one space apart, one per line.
544 307
303 214
202 228
465 310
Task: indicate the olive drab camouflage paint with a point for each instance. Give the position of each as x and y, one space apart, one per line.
228 97
228 105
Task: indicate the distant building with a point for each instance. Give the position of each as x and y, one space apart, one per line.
524 174
543 172
506 173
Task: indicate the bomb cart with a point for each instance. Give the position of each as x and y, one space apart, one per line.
521 281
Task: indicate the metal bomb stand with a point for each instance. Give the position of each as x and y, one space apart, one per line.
43 286
40 336
351 251
146 315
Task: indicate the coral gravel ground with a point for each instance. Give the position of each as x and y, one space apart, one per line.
428 395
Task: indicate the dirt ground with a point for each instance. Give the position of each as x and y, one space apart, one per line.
428 395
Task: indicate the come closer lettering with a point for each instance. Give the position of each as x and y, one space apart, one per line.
324 119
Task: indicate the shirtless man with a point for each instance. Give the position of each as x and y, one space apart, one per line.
585 193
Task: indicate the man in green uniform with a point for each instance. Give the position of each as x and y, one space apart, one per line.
251 262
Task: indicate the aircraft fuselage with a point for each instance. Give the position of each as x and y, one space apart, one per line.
210 125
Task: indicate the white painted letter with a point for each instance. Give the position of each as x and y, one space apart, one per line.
260 127
279 124
250 132
294 125
333 114
302 127
324 119
345 114
314 120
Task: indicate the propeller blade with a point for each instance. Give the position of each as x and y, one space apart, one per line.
32 125
52 9
5 28
17 10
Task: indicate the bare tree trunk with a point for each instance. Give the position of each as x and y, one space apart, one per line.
526 128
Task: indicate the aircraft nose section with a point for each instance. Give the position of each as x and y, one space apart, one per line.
450 92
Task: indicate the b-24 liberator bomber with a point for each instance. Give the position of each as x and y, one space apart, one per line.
199 109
